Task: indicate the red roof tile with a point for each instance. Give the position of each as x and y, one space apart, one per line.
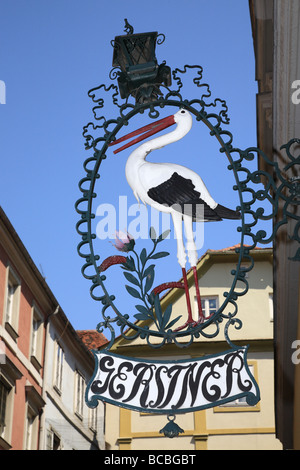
232 248
91 338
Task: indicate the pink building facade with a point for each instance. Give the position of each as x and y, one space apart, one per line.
24 307
44 363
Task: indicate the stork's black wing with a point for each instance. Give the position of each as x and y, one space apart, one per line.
180 193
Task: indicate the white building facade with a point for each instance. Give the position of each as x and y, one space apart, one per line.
67 422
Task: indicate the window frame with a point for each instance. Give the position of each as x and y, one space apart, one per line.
271 306
206 299
238 405
11 318
31 431
93 419
53 436
9 374
79 394
5 390
36 341
59 356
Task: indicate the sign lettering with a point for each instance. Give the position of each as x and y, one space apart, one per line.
169 386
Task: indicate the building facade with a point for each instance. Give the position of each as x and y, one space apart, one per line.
236 425
275 27
44 365
67 423
24 306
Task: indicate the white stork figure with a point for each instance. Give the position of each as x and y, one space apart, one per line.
174 189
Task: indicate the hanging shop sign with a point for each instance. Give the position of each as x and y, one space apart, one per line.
172 386
144 87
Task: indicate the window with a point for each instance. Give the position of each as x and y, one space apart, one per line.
9 374
11 289
12 302
209 305
30 429
35 404
4 391
59 361
271 307
53 440
2 352
93 419
240 404
56 444
79 393
244 268
6 409
36 338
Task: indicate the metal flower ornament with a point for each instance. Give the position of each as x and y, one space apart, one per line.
170 387
124 242
140 274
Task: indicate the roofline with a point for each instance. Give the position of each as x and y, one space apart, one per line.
27 256
205 261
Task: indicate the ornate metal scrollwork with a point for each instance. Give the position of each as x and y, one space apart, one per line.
201 109
279 190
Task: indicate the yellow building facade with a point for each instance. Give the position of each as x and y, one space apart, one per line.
235 425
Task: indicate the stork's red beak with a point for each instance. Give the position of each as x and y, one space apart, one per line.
153 128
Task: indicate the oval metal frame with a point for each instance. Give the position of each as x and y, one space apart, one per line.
84 227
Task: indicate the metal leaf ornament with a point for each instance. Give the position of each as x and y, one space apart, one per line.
171 429
140 274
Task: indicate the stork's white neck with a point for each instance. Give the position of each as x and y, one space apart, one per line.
138 156
182 128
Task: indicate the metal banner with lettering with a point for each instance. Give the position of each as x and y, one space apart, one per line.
172 386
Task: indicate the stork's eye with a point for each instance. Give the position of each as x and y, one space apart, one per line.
182 111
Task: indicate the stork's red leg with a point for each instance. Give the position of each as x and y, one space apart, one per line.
188 300
190 320
200 312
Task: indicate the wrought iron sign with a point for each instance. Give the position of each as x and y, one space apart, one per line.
179 386
167 386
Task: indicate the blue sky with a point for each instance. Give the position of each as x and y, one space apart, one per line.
51 54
